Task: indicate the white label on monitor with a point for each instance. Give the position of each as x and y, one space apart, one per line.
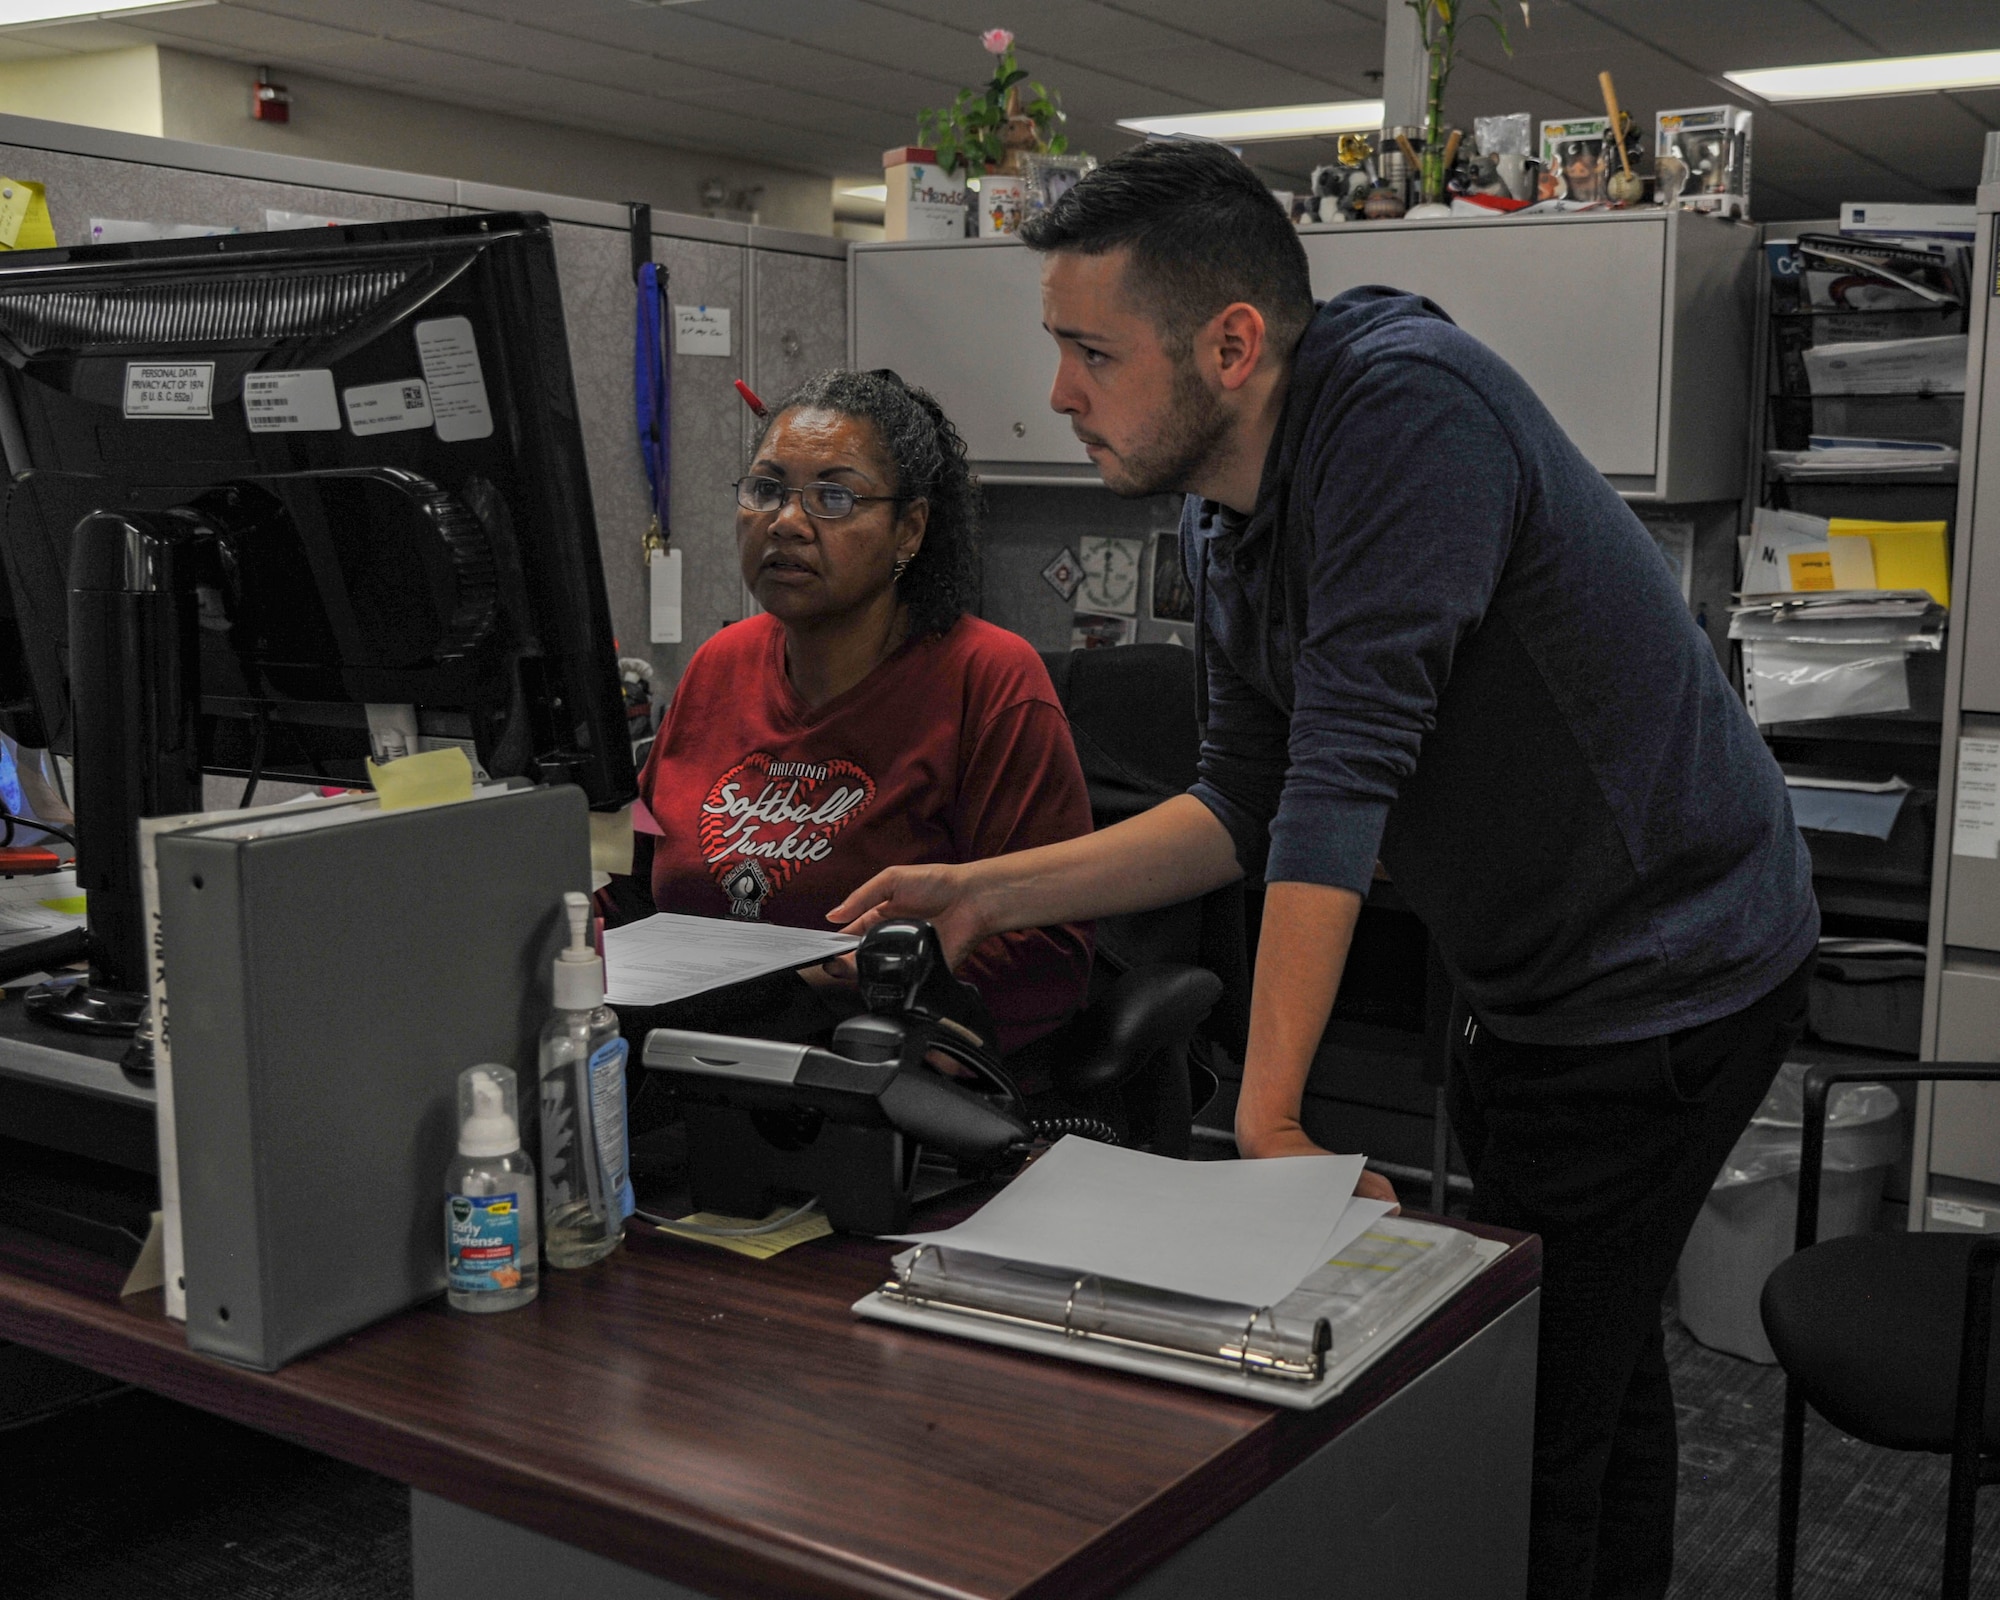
291 402
388 407
701 330
169 388
665 572
450 355
1975 823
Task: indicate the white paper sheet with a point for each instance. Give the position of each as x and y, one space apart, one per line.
1246 1232
670 957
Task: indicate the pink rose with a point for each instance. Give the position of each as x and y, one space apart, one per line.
998 41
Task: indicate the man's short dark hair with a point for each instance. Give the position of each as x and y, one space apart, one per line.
1203 232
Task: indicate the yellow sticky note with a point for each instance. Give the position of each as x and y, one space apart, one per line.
431 778
1908 555
24 216
757 1246
1811 569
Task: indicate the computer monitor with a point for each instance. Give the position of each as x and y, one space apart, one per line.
283 500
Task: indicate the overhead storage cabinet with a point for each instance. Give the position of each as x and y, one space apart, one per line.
1634 328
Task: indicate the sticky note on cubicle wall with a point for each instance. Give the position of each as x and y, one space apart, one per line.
24 216
701 330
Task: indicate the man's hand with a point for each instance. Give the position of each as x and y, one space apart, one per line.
939 894
1289 1139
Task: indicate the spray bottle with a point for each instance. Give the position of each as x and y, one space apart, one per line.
491 1250
586 1187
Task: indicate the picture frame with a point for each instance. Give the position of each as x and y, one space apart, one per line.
1049 178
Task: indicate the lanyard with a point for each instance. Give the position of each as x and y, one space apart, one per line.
650 387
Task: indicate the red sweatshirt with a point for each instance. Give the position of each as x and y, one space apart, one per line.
953 749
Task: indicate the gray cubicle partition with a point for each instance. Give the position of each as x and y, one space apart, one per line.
787 293
1955 1176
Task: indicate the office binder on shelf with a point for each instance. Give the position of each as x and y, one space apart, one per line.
332 971
1298 1353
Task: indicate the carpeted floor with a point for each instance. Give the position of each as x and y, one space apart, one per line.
129 1497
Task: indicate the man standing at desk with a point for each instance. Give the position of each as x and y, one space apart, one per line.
1431 634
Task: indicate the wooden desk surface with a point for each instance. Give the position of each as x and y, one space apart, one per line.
731 1425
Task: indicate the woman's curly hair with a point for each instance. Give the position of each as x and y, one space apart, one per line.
942 580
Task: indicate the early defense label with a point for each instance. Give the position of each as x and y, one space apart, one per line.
291 402
388 407
169 389
483 1242
1975 823
450 354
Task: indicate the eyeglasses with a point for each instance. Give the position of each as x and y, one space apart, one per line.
827 501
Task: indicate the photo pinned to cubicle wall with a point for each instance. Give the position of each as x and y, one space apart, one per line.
1172 594
1093 630
1110 575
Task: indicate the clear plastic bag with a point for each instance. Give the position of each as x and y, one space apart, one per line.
1805 682
1513 134
1863 1130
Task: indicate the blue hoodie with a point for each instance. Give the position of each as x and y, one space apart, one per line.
1442 640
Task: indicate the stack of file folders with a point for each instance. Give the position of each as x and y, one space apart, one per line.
1839 652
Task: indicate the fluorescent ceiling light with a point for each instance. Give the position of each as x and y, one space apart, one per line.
878 192
1264 122
33 13
1855 80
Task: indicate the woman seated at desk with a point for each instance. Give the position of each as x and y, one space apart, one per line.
863 720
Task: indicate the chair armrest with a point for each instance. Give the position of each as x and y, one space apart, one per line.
1146 1010
1819 1083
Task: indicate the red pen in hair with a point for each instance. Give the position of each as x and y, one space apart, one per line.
750 398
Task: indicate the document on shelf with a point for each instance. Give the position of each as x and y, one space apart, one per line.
1243 1232
39 906
669 957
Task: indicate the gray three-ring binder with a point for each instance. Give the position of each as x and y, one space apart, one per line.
326 986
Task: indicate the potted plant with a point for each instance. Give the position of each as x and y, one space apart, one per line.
1438 21
987 129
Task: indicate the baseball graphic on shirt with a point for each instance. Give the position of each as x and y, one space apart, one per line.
765 819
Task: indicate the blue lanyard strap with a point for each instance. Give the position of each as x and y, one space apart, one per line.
651 391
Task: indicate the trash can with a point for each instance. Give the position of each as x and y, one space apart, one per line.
1750 1219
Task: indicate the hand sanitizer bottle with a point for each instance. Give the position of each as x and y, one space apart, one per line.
491 1251
586 1189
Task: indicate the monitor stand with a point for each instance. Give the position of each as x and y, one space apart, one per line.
135 686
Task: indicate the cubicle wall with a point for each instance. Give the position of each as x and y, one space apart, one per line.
787 294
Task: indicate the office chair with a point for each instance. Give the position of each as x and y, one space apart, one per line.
1170 984
1890 1337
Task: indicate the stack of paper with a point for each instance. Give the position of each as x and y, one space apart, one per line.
1242 1232
1931 365
1835 456
1835 654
